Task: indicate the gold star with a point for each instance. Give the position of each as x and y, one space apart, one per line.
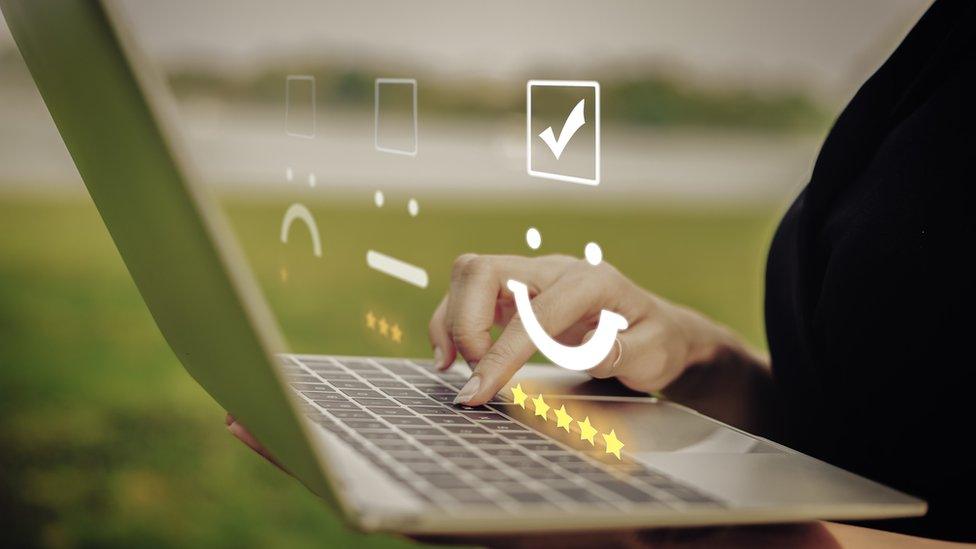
541 408
370 321
519 395
384 327
586 430
395 333
563 419
613 444
284 274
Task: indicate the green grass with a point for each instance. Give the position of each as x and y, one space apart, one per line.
105 441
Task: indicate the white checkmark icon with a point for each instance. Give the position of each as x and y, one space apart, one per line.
574 122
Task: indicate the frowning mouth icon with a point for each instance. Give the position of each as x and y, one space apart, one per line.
579 358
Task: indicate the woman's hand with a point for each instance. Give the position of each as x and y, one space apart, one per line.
569 293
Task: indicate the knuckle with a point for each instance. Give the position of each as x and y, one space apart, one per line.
461 263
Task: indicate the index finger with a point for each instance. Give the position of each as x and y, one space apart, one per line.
556 309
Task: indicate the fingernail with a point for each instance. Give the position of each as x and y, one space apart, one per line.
468 391
438 358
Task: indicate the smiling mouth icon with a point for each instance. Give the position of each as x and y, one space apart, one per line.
579 358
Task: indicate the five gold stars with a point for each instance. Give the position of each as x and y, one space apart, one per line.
519 396
586 430
611 444
386 329
563 419
541 408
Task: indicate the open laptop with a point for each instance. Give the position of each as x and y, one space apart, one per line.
378 438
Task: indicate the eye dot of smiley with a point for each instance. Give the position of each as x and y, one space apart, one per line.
533 238
413 208
593 253
378 199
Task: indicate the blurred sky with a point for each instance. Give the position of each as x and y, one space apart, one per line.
829 45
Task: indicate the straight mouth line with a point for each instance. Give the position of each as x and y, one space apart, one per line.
401 270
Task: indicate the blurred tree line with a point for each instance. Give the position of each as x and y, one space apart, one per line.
648 98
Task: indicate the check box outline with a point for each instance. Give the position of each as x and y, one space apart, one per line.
376 114
298 78
528 130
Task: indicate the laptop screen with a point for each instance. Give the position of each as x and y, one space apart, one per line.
358 148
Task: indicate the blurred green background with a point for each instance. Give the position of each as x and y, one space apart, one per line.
106 441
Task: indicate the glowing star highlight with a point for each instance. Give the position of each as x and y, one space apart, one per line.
395 333
579 358
541 408
586 430
563 419
613 443
370 320
519 396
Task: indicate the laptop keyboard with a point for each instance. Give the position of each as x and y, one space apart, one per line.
399 415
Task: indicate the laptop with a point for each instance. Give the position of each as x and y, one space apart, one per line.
378 438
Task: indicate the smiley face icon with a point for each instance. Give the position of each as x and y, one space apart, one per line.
579 358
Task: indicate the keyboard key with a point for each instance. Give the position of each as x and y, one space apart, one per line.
415 401
484 416
375 402
442 480
378 375
413 420
522 436
385 412
452 453
358 364
422 467
311 386
524 495
448 420
486 442
628 492
429 410
381 435
540 473
468 430
581 495
389 383
402 393
302 378
351 414
361 393
507 452
337 405
393 445
470 497
504 427
422 432
335 376
412 457
441 443
362 424
443 398
313 394
349 384
565 457
435 389
534 446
